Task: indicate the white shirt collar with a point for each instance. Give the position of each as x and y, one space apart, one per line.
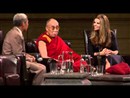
20 32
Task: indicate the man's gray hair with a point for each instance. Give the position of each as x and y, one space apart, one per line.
19 18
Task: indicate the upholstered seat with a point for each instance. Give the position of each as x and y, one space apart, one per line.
1 41
9 67
32 49
13 70
12 67
86 33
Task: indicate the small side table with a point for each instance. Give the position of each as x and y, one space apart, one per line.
66 79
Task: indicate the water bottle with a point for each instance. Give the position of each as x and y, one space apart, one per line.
81 65
70 63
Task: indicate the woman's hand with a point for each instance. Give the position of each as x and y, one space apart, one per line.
107 52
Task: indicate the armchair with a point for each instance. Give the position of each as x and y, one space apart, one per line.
12 69
1 41
32 49
86 33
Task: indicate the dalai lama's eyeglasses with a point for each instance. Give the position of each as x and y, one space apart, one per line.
54 27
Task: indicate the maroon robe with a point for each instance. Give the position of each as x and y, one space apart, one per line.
55 47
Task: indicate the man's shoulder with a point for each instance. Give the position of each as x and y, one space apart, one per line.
11 30
11 34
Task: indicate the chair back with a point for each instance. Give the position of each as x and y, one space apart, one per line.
86 34
114 31
1 41
31 46
86 37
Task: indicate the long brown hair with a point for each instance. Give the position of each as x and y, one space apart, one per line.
103 36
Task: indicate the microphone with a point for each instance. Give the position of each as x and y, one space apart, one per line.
39 59
46 60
